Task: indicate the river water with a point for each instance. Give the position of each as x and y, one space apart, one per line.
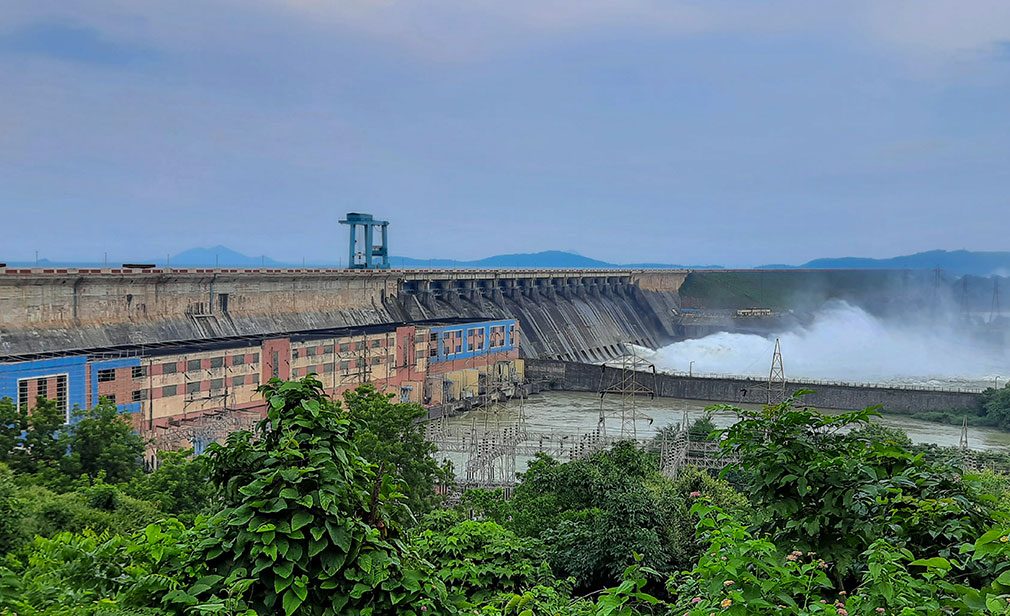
573 412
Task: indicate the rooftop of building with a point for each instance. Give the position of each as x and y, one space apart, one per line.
160 349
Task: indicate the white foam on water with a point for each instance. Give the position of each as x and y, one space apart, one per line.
846 343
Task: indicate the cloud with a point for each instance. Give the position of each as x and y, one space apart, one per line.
71 42
469 30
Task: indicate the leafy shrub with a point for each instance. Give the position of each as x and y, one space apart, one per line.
180 485
307 525
481 559
819 489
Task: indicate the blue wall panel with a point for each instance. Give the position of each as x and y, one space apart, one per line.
108 364
467 352
73 367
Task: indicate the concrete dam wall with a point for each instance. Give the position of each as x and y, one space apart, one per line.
579 317
570 314
570 376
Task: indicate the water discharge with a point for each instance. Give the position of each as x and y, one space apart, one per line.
846 343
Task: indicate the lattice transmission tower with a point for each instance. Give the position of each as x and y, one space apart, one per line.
628 379
776 377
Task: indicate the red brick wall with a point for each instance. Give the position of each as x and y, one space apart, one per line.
282 346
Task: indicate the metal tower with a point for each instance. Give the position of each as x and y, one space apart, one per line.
776 377
366 257
628 386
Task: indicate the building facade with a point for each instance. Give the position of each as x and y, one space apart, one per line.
189 394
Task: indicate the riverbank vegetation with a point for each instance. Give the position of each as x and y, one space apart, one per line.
330 508
992 411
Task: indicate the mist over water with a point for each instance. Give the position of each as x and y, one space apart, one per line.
846 343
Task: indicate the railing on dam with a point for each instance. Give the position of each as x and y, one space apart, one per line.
800 382
423 272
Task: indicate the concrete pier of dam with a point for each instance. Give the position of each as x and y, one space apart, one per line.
574 376
583 315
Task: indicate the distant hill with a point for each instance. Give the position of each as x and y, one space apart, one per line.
953 263
956 262
218 255
545 259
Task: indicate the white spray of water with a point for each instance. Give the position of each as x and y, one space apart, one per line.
845 343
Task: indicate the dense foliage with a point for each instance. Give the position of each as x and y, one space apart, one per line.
330 509
996 405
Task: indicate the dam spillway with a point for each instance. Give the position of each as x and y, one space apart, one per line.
580 315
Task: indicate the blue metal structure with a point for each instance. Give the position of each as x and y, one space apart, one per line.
495 336
73 367
80 393
374 256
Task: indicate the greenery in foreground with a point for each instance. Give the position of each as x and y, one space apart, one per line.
330 509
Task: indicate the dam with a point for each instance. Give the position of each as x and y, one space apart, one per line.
574 315
183 350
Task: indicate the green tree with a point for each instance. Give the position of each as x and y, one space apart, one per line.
701 429
180 485
817 488
12 423
996 405
45 441
391 436
11 512
482 559
307 525
103 441
595 515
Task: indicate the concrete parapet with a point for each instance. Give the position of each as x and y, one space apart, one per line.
574 376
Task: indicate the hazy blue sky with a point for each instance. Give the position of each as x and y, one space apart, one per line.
735 132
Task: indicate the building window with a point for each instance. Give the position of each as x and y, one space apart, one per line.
375 343
345 366
255 358
169 390
328 368
475 339
255 379
275 367
104 376
419 355
327 349
110 397
216 384
138 372
310 352
42 388
345 347
222 299
137 395
433 351
359 346
193 365
61 391
294 353
433 337
23 394
238 381
237 360
376 361
497 336
217 362
193 387
170 368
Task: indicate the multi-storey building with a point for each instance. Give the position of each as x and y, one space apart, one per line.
188 393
